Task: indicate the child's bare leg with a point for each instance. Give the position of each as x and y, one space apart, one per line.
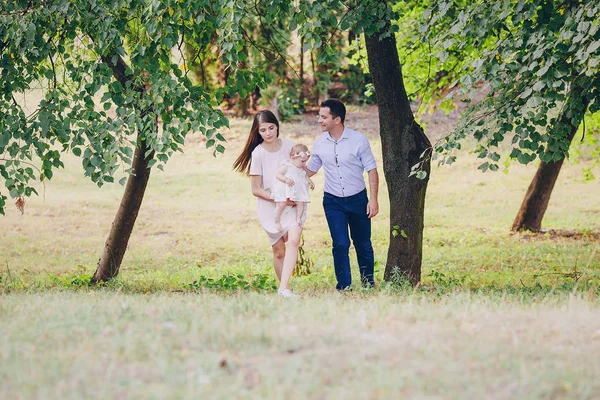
279 207
299 211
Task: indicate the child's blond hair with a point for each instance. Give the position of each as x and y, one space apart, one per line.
298 149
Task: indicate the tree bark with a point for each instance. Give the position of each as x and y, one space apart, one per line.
402 143
244 102
302 83
122 226
538 194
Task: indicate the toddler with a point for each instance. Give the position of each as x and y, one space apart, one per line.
291 183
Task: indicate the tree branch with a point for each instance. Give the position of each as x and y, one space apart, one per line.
270 39
53 70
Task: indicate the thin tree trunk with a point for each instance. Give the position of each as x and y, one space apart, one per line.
538 194
122 226
196 63
244 105
315 78
301 94
222 78
402 143
536 199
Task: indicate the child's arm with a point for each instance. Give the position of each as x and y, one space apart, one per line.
280 176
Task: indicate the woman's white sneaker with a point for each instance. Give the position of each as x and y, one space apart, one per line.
286 293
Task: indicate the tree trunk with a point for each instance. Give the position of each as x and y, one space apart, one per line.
302 83
315 78
402 143
536 199
244 105
222 78
196 63
122 226
538 194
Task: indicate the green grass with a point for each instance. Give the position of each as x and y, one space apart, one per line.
198 219
193 313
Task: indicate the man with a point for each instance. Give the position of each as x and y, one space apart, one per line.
344 155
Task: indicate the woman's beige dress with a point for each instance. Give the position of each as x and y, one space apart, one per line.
265 164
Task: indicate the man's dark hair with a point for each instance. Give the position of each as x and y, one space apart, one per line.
336 107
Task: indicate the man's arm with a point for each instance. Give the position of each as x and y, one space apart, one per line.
309 173
373 204
315 162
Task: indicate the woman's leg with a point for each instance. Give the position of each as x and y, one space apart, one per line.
278 257
291 256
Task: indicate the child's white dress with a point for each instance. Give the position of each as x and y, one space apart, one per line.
298 192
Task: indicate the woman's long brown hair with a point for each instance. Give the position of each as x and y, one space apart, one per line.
242 164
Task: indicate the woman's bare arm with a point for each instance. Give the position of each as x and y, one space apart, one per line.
257 190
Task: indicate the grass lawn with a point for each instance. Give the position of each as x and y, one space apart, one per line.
326 346
198 218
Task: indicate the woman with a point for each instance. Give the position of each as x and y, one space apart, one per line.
261 157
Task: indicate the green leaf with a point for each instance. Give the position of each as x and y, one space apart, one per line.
179 139
4 138
96 161
526 93
447 43
542 71
127 151
534 101
116 87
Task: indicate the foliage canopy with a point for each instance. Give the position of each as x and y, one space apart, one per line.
110 74
535 61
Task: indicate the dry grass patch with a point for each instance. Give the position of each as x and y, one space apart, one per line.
248 345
